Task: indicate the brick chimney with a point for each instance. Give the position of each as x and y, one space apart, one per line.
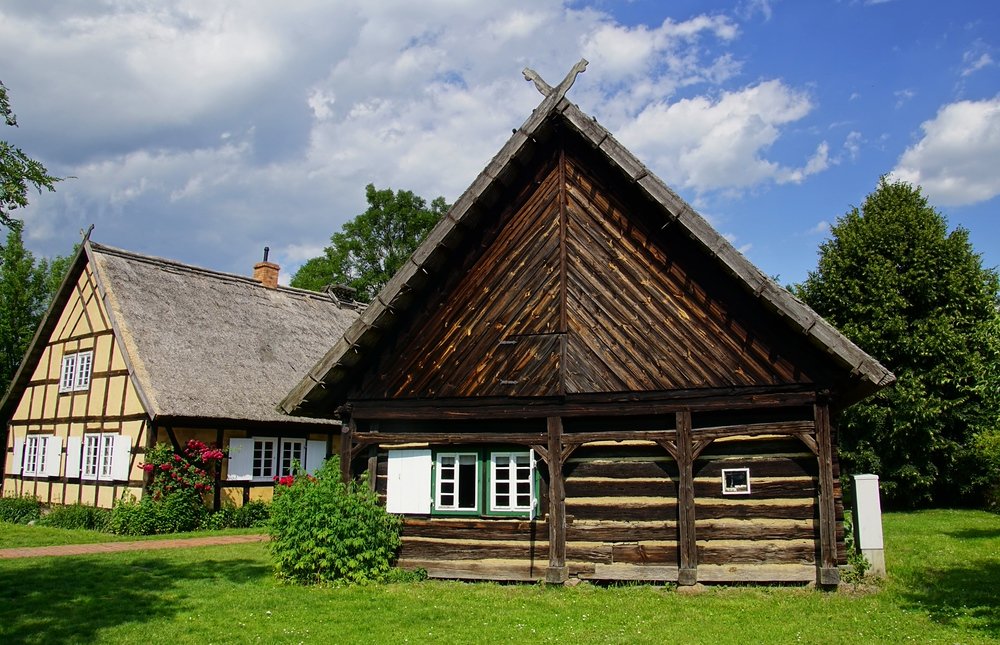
266 272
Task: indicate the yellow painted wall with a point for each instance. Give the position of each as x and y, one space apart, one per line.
82 325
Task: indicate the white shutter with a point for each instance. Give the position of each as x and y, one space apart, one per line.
409 486
17 465
74 452
121 460
53 453
240 459
315 455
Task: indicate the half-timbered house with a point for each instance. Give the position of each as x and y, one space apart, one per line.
576 376
136 350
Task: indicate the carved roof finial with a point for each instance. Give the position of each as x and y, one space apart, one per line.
562 88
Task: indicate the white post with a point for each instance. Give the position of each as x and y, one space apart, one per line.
868 522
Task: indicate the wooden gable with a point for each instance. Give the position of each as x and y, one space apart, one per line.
576 286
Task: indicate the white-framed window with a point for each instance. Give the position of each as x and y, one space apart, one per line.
293 451
106 456
34 455
735 481
264 452
265 458
37 455
457 481
512 481
463 482
74 376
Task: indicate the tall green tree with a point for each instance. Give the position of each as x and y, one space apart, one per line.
17 170
917 298
371 247
26 287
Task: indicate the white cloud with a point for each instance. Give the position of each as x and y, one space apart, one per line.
974 64
708 144
903 97
852 144
956 161
821 228
204 131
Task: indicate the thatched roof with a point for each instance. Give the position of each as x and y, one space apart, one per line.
204 344
326 384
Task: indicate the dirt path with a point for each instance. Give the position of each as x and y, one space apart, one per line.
114 547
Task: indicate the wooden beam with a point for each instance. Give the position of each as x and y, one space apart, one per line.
828 573
556 572
585 405
346 449
541 451
688 573
525 438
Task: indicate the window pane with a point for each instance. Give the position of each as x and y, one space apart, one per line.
511 481
92 448
457 482
107 454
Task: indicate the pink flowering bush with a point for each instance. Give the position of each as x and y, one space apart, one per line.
193 469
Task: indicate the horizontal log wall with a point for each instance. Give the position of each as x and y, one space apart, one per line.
622 520
777 523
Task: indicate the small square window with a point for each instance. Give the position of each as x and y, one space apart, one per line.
735 481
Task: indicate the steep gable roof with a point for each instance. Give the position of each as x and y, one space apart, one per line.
201 344
327 383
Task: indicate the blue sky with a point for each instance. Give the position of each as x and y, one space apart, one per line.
202 131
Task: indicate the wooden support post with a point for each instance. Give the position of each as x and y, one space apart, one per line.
346 446
373 467
556 572
688 573
828 572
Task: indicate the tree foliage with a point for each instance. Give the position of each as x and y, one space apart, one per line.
26 287
17 170
916 297
370 248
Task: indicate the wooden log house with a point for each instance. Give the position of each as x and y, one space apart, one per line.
136 350
576 376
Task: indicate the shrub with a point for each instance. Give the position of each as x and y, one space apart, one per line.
323 530
20 510
250 515
193 468
78 516
175 512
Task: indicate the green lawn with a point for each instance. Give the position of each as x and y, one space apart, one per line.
944 568
21 535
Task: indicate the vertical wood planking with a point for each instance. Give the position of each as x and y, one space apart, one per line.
688 574
557 504
828 573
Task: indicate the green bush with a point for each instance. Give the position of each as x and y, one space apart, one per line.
323 530
858 565
175 512
78 516
20 510
986 446
250 515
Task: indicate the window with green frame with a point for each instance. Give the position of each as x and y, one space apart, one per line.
485 482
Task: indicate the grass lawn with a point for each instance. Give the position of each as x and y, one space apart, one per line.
944 568
21 535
